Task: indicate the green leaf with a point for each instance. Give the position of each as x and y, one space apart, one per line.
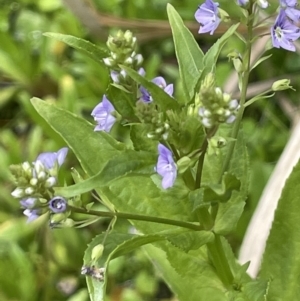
115 245
188 53
211 56
230 212
122 101
127 162
221 192
95 52
160 97
262 59
80 136
189 240
190 275
281 260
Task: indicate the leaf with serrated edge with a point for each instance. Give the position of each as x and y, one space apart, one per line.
281 260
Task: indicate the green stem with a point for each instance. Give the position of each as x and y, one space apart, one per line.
138 217
245 80
220 262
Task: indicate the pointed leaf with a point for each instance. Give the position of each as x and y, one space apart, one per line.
95 52
281 261
188 53
160 97
211 56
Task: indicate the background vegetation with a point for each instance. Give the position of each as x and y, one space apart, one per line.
38 263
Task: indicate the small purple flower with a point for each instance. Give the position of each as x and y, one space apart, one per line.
283 32
49 159
28 203
290 9
58 204
32 214
166 166
159 81
242 2
102 114
208 16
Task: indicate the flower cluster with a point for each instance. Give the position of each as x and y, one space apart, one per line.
122 49
35 183
213 105
284 32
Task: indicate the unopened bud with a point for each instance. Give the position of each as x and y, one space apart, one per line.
50 182
262 3
26 167
33 181
18 193
29 191
97 252
282 84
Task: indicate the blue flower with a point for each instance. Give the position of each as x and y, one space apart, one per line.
28 204
58 204
32 214
50 159
102 114
242 2
290 9
208 16
166 166
283 32
159 81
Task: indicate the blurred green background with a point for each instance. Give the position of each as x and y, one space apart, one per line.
41 264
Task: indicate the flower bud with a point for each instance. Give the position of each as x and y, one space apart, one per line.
29 190
97 252
26 167
33 181
282 84
262 3
18 193
50 182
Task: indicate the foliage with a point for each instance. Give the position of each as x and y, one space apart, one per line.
182 229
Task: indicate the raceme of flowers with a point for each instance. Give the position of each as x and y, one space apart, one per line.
35 184
283 33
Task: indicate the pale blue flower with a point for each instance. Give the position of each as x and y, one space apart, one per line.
208 16
32 214
290 9
159 81
50 159
242 2
166 166
283 32
102 114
